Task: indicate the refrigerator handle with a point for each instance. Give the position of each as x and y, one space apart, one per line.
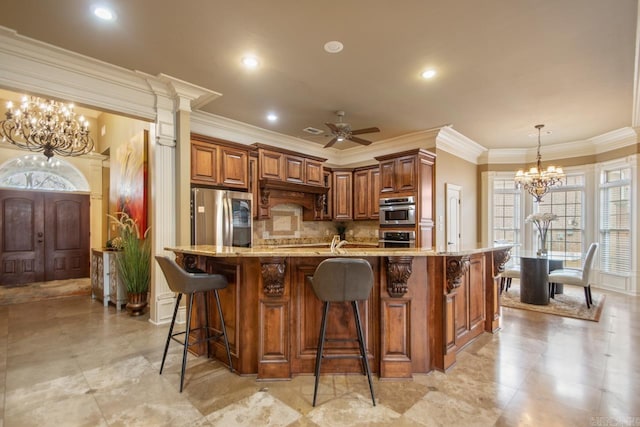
227 223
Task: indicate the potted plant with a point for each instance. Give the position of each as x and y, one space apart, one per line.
134 262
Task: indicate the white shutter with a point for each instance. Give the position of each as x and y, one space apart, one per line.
615 221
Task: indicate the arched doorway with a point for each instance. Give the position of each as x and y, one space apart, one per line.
44 221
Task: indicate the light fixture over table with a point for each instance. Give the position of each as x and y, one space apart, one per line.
536 180
47 126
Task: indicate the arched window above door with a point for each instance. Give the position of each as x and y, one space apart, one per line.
34 172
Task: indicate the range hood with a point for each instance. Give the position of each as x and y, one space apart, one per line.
311 198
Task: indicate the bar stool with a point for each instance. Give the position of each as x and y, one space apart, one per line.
189 284
342 280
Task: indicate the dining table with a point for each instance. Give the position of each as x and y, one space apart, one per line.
534 274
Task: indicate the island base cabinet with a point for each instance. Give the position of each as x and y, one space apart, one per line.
307 317
421 312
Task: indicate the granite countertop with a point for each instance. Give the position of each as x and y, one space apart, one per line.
266 251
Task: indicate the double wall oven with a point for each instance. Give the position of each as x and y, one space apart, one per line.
397 222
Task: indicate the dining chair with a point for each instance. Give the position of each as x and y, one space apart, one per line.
509 273
576 276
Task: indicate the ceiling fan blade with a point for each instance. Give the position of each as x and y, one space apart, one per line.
366 130
333 127
333 141
359 140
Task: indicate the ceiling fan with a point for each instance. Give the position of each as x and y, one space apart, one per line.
342 131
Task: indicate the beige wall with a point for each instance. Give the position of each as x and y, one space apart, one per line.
454 170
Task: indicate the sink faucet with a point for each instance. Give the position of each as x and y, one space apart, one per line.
336 243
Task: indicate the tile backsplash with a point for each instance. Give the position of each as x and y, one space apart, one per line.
287 227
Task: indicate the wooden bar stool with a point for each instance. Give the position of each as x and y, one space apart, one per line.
189 284
342 280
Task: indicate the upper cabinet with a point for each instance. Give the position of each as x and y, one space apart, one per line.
219 163
287 166
398 174
366 193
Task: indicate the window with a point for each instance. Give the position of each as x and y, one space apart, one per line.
567 232
615 221
34 172
506 212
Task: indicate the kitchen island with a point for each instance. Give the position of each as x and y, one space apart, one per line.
424 307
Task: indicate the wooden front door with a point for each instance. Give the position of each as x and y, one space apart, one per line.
43 236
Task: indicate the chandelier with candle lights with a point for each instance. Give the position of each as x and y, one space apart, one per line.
538 181
46 126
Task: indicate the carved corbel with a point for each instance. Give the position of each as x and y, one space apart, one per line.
273 276
500 258
457 266
398 273
321 201
264 198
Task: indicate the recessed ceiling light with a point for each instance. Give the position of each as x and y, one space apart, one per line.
428 74
104 13
333 46
272 117
250 62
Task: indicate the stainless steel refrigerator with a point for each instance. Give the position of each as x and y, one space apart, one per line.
221 217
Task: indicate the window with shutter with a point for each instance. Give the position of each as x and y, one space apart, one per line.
615 221
506 213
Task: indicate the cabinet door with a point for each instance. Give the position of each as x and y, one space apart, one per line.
374 193
405 173
313 172
204 163
361 194
271 165
234 167
387 179
342 196
294 169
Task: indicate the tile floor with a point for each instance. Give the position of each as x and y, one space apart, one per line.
73 362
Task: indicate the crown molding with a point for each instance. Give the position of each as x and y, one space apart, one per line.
197 96
40 68
453 142
233 130
609 141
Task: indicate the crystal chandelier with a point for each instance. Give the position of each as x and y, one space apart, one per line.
47 126
536 180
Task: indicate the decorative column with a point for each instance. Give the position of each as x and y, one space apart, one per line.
395 319
274 360
497 260
455 269
161 183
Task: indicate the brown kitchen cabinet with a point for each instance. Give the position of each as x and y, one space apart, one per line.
219 163
287 166
398 174
342 195
366 193
411 173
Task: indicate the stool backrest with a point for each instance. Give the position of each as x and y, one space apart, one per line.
186 283
343 279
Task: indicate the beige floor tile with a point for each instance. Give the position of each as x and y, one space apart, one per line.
73 362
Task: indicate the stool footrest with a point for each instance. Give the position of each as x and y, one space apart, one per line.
214 337
341 356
